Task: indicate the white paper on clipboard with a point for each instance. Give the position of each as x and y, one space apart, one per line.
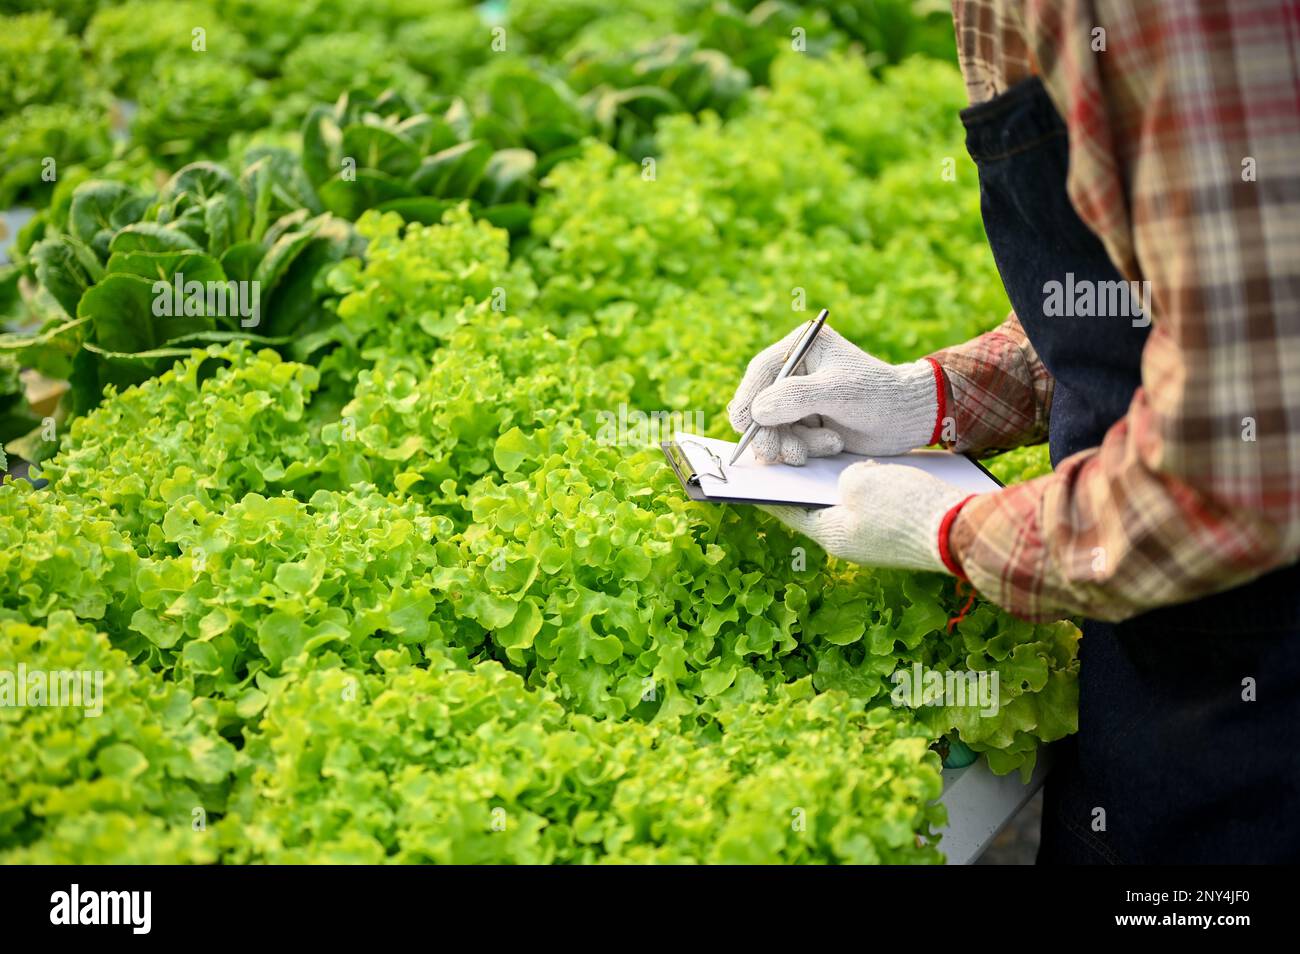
816 483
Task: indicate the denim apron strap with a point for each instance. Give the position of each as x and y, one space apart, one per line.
1173 760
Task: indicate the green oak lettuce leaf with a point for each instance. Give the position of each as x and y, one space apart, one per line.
133 784
226 421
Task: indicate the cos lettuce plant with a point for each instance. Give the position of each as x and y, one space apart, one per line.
892 29
381 154
121 254
15 416
626 92
754 35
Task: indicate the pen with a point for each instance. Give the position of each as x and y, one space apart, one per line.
792 362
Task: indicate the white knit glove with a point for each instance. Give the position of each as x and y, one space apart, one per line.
889 516
841 399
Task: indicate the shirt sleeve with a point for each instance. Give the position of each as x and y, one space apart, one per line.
1183 146
1001 392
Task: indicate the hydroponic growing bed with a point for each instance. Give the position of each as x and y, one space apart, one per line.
364 572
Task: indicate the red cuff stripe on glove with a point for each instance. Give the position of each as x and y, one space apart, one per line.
945 549
939 383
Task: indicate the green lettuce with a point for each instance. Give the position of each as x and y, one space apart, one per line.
456 766
131 785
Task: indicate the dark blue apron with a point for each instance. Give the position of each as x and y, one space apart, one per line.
1171 763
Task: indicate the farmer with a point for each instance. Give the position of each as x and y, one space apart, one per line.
1151 146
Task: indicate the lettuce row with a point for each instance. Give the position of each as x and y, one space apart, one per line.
450 765
578 566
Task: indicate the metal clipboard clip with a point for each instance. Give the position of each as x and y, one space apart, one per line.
682 464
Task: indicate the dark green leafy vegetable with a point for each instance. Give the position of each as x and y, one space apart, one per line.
141 279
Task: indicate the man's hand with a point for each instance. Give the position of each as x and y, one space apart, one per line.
892 515
842 399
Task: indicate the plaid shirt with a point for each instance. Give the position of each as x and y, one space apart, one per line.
1185 161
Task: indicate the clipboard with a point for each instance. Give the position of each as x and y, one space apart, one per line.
969 474
690 481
